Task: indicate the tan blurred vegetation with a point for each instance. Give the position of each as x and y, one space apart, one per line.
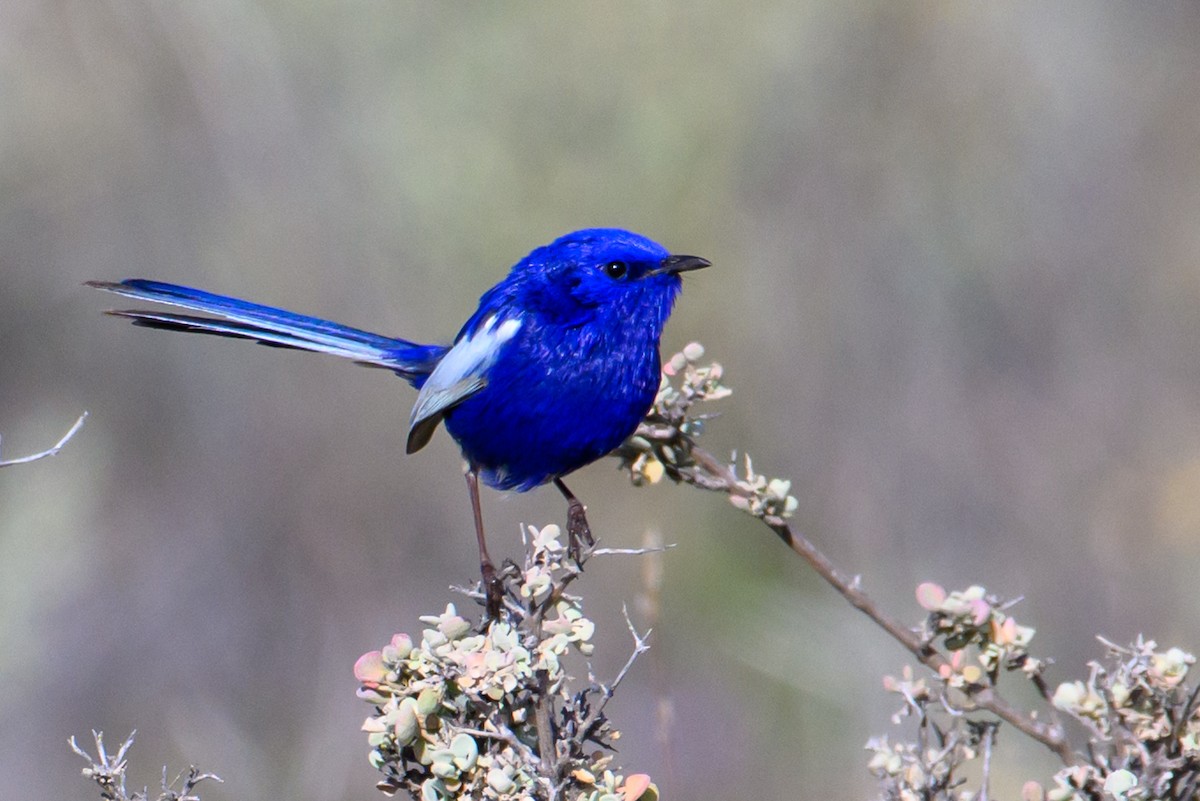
958 273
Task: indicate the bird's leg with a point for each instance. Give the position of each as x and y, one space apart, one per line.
493 588
577 524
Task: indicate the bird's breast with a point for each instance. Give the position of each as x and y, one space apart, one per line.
555 403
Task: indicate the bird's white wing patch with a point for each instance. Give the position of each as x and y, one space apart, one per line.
460 374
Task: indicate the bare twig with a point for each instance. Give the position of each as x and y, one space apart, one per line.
108 772
633 551
640 646
50 451
719 477
989 740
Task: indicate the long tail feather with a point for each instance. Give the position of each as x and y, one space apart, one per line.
270 326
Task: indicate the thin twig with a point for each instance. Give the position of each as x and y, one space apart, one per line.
986 698
50 451
640 646
107 771
632 551
989 740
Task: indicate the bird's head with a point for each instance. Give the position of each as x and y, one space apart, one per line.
605 271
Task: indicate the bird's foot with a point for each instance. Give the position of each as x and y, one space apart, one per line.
579 533
493 590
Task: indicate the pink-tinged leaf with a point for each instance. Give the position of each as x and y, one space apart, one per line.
981 610
398 649
369 668
635 786
931 596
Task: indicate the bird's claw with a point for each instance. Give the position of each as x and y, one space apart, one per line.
493 590
579 533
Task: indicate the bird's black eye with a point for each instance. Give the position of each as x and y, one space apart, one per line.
616 269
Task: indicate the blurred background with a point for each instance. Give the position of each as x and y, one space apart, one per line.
956 293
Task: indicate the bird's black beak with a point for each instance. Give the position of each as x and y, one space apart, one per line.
681 264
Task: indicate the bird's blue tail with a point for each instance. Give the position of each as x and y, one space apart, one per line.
275 327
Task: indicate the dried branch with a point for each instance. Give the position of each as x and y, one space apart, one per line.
1049 735
108 771
50 451
665 445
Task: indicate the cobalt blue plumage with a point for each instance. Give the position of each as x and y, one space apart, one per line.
554 369
581 369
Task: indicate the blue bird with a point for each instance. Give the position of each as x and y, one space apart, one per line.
556 367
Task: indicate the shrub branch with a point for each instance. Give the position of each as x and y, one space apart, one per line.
665 445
